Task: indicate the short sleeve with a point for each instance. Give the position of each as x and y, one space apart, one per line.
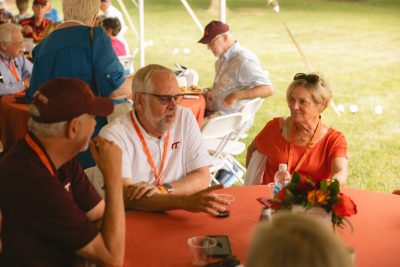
54 215
84 193
338 146
250 72
108 70
264 135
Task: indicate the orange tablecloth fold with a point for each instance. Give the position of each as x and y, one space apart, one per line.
13 121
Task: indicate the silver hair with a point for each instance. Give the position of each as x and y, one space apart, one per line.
6 31
47 129
142 83
83 11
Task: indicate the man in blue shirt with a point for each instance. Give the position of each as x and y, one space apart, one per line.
238 73
15 69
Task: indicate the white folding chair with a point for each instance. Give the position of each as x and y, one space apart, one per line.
248 111
216 135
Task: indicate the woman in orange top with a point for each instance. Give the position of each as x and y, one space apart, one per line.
302 140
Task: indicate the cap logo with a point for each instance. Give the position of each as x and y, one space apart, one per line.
206 33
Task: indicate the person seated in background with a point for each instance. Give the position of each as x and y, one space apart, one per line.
76 49
22 6
52 13
296 240
5 15
15 68
34 26
50 210
109 11
112 26
303 140
238 73
165 164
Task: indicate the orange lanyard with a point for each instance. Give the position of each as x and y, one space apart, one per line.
12 69
157 174
310 145
42 156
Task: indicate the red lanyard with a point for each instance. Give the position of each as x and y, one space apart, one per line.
157 174
42 156
310 145
12 69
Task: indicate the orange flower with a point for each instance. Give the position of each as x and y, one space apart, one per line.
345 206
317 197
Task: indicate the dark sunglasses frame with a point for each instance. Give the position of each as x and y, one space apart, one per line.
310 78
166 99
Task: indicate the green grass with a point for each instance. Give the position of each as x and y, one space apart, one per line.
355 44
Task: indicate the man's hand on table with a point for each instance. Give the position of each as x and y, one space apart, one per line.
205 201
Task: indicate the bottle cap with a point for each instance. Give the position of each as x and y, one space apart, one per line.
282 167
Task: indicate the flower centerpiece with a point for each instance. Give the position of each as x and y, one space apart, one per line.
325 194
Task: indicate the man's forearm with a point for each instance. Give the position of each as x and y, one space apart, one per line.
195 181
157 202
113 228
262 91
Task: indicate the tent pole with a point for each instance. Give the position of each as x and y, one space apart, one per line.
141 33
191 13
126 14
222 10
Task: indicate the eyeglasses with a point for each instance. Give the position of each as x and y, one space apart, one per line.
310 78
166 99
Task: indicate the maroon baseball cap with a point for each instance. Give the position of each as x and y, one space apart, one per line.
213 29
40 2
62 99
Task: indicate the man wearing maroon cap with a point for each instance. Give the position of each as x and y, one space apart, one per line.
34 27
238 73
49 209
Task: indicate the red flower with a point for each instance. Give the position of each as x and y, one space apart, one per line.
345 206
279 198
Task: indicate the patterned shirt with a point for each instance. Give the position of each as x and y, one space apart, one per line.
8 83
238 68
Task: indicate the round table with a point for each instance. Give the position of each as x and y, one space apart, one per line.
160 238
13 120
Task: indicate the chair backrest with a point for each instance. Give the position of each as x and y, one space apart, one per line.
248 111
221 127
127 62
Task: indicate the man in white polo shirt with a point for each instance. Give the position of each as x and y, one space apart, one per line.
165 164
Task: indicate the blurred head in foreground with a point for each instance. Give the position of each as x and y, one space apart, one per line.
294 240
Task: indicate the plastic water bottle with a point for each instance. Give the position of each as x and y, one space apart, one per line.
281 178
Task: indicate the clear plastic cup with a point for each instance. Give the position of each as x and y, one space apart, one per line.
202 248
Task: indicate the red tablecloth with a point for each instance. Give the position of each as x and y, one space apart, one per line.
198 107
13 120
159 239
14 117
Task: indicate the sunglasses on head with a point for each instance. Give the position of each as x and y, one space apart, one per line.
310 78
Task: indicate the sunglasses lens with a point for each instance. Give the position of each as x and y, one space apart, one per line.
310 78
